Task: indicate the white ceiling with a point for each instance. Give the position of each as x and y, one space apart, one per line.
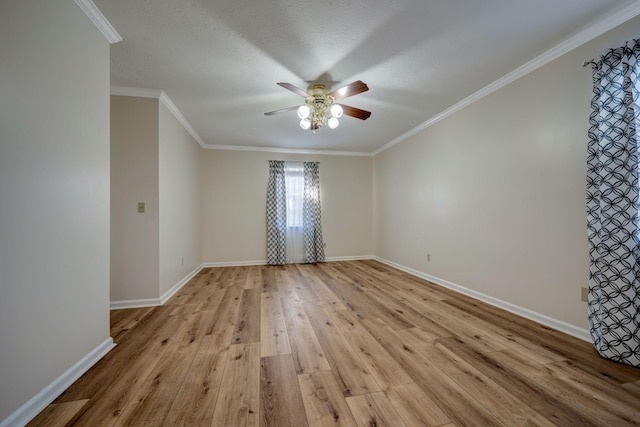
219 60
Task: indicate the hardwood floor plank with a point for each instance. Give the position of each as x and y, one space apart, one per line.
238 402
405 281
455 402
254 278
124 320
507 339
414 406
359 295
212 274
194 330
336 289
247 327
324 403
516 382
502 404
224 317
285 285
268 275
554 341
209 300
383 368
195 400
458 326
109 393
240 275
633 387
495 333
306 351
280 398
418 337
298 274
588 397
374 410
352 377
58 414
150 404
225 275
426 291
274 339
327 299
215 343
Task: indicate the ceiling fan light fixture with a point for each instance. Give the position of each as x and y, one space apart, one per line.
305 123
319 108
304 111
336 111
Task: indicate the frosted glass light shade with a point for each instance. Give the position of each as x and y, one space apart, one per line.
336 111
333 122
305 124
304 111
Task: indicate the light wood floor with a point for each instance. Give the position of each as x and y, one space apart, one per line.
340 344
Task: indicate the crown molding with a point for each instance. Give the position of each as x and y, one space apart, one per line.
286 150
99 20
136 91
183 121
594 30
164 98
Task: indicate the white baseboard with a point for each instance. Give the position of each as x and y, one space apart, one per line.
349 258
234 263
37 403
556 324
264 262
135 303
154 302
175 288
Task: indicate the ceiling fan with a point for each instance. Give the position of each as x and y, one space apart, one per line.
320 106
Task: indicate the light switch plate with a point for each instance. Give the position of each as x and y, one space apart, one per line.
140 207
585 294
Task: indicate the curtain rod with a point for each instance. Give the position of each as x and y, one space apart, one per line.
295 161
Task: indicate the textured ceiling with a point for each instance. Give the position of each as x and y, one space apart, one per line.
219 60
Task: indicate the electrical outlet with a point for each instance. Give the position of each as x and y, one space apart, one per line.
324 245
584 296
140 207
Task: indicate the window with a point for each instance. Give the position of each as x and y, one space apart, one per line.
294 182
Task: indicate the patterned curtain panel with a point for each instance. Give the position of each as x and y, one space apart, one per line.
613 205
276 214
311 217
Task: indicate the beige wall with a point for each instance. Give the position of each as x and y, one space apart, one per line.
134 178
496 192
155 161
234 197
180 207
54 194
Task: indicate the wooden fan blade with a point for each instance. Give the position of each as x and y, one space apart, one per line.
355 112
282 110
294 89
349 90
